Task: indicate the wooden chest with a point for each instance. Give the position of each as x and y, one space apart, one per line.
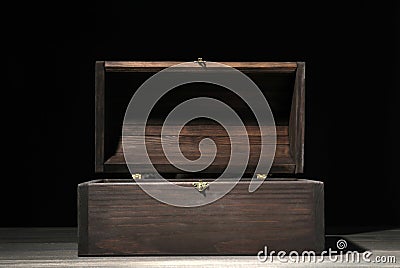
116 217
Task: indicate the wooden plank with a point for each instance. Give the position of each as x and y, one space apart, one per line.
223 155
83 223
119 159
193 141
297 119
203 130
280 214
99 115
293 122
319 213
56 247
222 158
116 164
122 168
155 66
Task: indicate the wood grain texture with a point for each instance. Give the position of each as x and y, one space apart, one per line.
155 66
189 139
124 220
99 115
222 156
193 141
319 227
297 119
83 225
116 164
56 247
204 130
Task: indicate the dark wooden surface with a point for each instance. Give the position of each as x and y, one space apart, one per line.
83 225
57 247
155 66
297 119
117 164
124 220
189 139
205 130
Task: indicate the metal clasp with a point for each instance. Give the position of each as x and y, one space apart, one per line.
201 62
201 186
139 176
261 176
136 176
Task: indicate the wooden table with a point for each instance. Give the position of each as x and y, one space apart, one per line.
57 247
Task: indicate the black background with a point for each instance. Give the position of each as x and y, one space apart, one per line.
351 52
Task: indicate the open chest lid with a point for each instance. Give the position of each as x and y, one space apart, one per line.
281 83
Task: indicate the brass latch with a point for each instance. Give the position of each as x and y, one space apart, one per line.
261 176
200 186
136 176
201 62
